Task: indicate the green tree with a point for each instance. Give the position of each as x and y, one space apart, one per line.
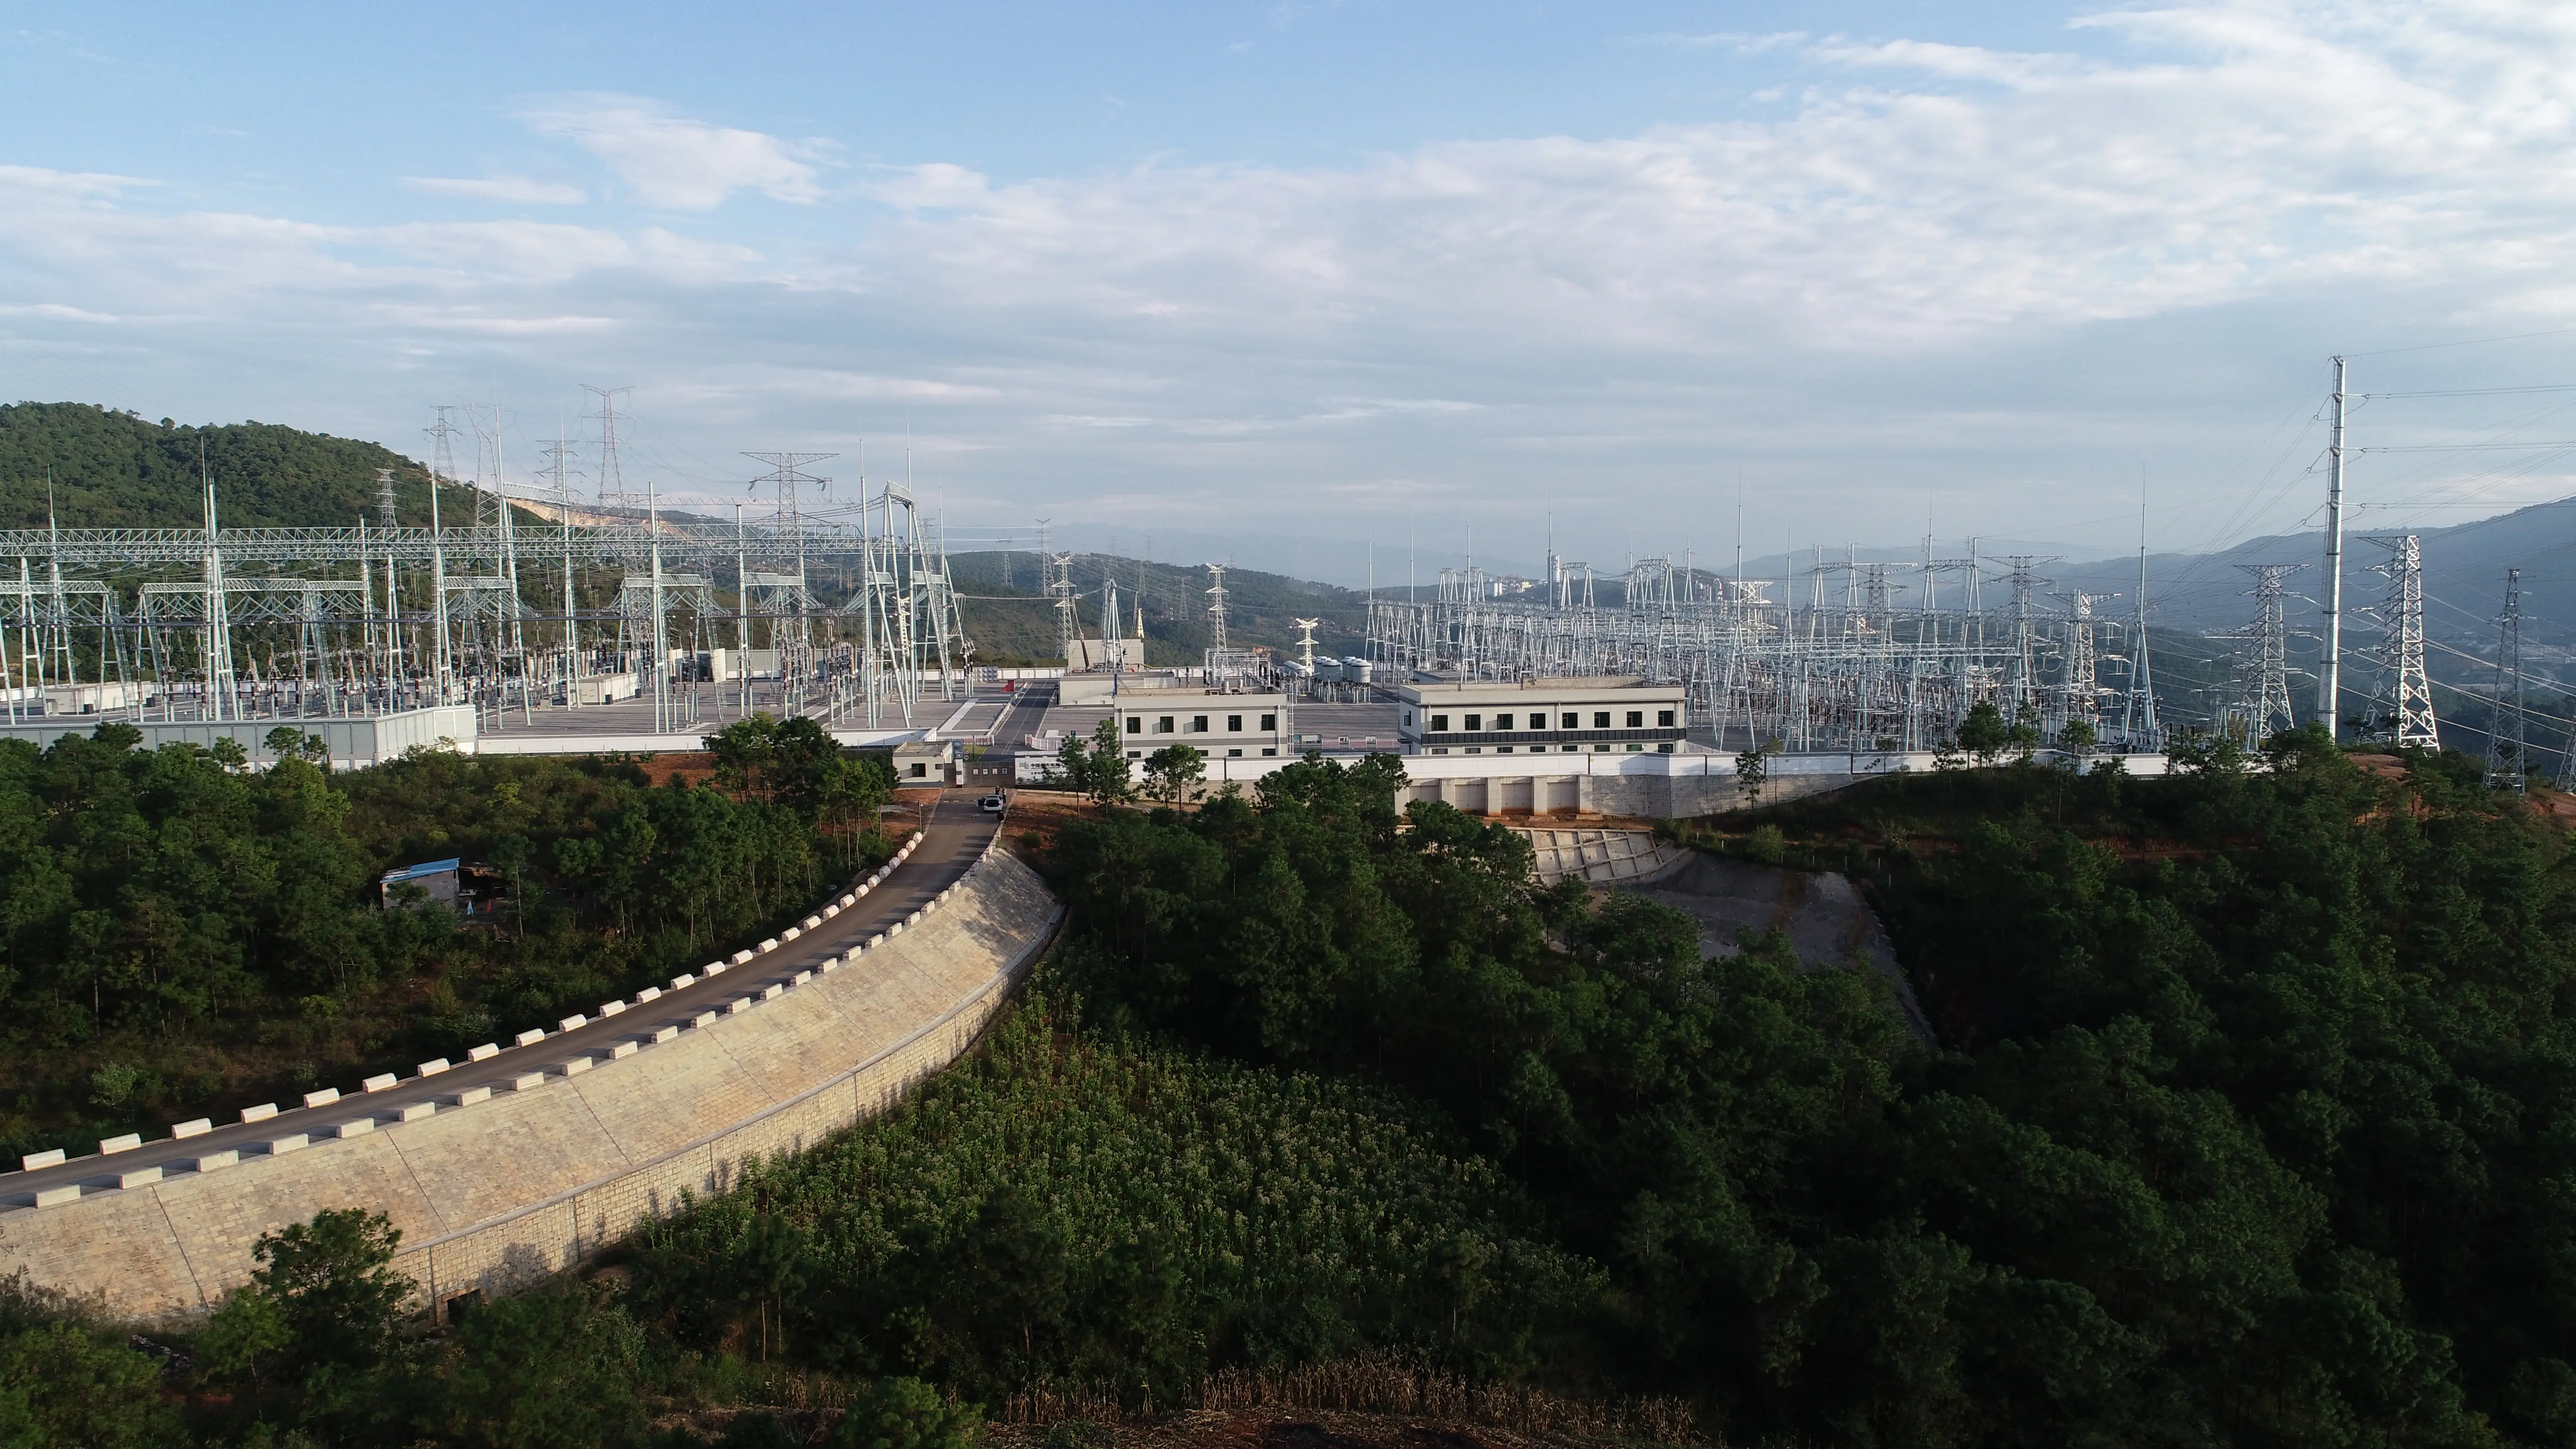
905 1413
333 1285
62 1384
1172 770
552 1369
1983 733
1097 768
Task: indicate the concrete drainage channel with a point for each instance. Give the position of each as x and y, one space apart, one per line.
538 1073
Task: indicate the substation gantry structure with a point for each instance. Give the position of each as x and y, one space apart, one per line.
505 609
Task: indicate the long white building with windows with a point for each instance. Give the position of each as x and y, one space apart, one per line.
1615 714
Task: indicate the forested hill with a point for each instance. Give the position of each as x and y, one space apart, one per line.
117 470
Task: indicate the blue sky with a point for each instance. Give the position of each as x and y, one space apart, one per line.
1247 275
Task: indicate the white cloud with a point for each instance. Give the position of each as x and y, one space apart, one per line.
516 190
1848 288
684 165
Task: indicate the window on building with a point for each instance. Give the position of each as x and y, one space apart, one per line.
1271 721
1502 749
1636 749
1198 724
1135 724
1600 749
1664 719
1163 725
1475 722
1408 717
1234 724
1135 754
1571 720
1269 752
1502 721
1636 719
919 769
1439 723
1234 754
1666 747
1440 750
1601 719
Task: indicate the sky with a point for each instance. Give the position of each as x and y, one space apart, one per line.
1283 282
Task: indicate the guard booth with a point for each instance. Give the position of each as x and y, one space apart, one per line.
931 764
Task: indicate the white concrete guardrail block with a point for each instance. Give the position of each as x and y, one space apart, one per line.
768 946
50 1157
573 1066
358 1128
530 1037
718 968
56 1196
610 1008
527 1081
216 1161
323 1098
738 957
738 1006
683 981
466 1098
791 933
291 1142
433 1067
649 993
414 1111
139 1177
800 978
772 991
260 1113
665 1032
622 1050
381 1082
109 1146
572 1022
811 922
485 1052
703 1019
194 1127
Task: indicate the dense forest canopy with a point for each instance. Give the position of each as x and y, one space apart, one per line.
2250 1125
180 934
116 470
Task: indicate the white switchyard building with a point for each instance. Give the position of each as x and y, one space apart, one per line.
1614 714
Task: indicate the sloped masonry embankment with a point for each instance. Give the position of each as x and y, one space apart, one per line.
522 1183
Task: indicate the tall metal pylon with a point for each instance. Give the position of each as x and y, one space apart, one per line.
2508 739
612 468
2264 678
1216 606
2083 687
2023 686
2405 702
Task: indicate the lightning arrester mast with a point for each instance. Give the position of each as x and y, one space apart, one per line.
2329 672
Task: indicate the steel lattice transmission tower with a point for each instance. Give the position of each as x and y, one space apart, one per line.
1216 606
2408 700
612 473
2264 678
2508 743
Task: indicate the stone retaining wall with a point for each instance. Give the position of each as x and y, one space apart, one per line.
530 1182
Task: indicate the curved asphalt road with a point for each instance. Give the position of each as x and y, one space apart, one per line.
953 839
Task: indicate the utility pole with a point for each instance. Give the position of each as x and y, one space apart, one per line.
2329 675
2507 738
